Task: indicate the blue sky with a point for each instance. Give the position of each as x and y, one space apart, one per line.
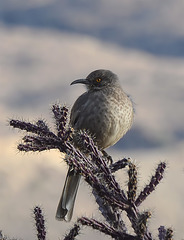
151 26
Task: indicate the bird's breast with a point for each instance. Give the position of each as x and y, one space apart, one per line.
107 115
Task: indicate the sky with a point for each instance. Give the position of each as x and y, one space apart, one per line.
45 45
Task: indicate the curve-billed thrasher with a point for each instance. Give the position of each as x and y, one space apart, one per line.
106 112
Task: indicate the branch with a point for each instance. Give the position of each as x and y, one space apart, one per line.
102 227
98 170
155 180
40 223
73 233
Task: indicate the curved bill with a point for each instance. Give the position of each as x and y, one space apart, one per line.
83 81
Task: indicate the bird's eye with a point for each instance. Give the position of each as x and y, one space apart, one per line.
98 80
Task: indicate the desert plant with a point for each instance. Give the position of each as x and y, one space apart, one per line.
97 169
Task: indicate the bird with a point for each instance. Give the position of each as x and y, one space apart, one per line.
106 112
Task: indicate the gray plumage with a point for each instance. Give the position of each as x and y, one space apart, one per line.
106 112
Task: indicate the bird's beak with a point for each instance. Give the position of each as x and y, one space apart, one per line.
83 81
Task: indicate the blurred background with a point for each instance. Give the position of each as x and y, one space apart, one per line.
45 45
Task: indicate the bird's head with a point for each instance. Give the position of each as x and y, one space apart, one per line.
98 79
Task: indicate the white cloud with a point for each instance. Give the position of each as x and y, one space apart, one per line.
40 65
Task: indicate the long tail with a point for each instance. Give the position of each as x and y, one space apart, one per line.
67 200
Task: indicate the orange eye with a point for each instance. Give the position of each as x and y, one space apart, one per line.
98 80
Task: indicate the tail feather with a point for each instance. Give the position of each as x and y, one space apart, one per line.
67 200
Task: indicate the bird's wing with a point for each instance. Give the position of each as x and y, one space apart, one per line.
77 110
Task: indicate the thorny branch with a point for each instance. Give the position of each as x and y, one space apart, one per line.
98 172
